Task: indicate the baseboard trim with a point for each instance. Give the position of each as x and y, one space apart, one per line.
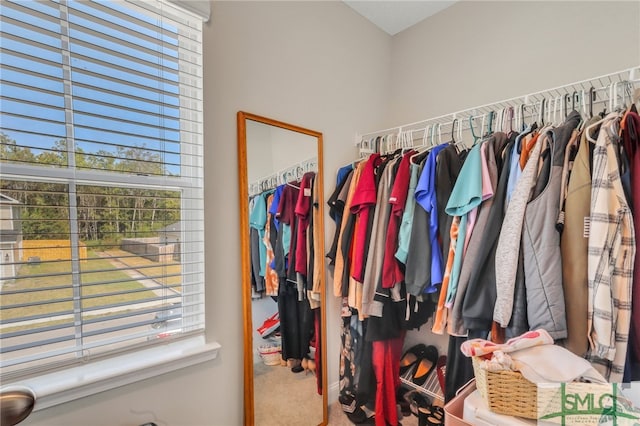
334 392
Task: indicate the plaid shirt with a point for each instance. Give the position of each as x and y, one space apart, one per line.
610 259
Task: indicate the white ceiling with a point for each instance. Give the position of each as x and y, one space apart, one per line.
394 16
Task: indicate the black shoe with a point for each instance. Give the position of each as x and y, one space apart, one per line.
352 410
411 357
431 416
415 399
425 366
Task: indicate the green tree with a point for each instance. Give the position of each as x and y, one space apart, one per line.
106 214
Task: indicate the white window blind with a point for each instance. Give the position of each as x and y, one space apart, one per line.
101 182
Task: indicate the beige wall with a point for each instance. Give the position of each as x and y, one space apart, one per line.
315 64
477 52
321 66
318 65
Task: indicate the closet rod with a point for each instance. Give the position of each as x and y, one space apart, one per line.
283 176
441 130
629 74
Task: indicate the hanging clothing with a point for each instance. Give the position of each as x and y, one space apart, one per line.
362 205
417 267
271 279
425 195
477 307
386 365
574 243
631 141
303 211
392 273
612 250
440 319
258 221
404 234
316 235
492 242
448 167
463 202
455 325
336 204
375 256
508 248
341 270
541 240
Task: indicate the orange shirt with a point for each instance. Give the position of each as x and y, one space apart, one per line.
527 146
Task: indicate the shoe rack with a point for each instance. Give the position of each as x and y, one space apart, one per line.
431 386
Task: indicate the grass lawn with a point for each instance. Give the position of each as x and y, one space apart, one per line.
150 268
39 286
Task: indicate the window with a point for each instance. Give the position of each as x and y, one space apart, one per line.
101 183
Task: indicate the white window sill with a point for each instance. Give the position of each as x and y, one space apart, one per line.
78 382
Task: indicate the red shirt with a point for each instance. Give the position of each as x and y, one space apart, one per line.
391 271
362 205
302 210
631 141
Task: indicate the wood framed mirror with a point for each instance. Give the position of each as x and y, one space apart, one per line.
283 272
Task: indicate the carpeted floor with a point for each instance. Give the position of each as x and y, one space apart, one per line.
338 418
283 398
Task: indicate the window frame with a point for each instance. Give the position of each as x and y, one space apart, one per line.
135 363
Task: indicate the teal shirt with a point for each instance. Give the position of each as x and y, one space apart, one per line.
258 220
404 234
466 195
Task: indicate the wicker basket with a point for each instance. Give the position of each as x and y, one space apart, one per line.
506 392
270 354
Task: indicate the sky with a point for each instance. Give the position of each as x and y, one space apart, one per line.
124 79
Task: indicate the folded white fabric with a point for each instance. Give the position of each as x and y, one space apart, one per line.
479 347
498 362
553 364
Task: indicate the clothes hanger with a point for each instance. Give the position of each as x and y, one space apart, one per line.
551 111
589 129
581 107
453 129
510 112
523 125
612 95
490 123
504 119
628 94
472 129
541 114
425 135
433 134
424 147
290 178
407 143
571 97
458 130
592 98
